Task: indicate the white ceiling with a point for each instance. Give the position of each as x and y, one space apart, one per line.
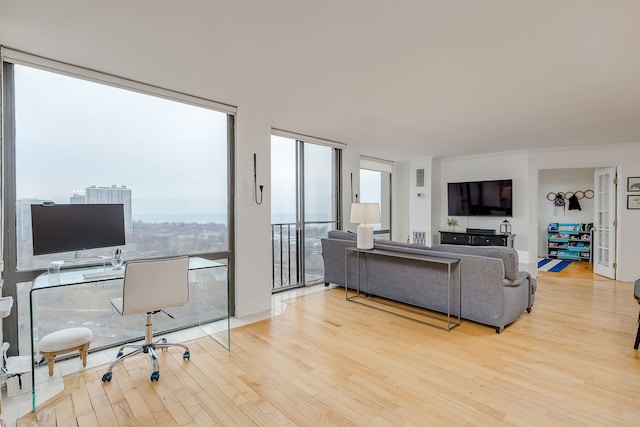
400 78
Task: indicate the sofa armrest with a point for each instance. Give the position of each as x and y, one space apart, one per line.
333 255
521 278
524 278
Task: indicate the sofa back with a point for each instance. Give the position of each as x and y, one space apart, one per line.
481 286
333 252
509 256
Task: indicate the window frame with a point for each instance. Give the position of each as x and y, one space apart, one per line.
11 276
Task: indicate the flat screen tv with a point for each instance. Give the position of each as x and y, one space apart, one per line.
480 198
64 228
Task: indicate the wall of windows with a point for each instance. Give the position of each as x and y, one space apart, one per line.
70 137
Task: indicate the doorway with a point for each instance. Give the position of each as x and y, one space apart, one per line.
576 222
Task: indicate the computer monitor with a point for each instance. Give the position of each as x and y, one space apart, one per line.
74 227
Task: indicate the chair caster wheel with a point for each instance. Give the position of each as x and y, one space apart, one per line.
155 376
106 377
186 355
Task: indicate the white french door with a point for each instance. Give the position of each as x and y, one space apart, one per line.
604 235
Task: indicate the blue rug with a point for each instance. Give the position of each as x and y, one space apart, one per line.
553 265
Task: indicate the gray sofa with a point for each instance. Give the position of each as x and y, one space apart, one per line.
493 291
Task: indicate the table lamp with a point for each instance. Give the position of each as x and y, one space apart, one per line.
365 214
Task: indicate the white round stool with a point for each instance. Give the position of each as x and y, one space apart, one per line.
65 341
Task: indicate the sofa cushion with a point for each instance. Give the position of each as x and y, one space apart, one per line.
509 256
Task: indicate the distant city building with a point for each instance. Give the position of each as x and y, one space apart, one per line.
78 199
113 194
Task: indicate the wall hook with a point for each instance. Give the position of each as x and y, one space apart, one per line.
255 181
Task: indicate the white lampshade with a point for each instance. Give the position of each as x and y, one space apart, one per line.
365 214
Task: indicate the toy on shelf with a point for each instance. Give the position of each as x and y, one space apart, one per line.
571 241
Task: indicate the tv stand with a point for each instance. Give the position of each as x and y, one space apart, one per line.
476 238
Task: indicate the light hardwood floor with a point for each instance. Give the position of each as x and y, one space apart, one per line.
575 270
326 361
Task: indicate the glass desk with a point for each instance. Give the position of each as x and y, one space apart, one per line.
70 299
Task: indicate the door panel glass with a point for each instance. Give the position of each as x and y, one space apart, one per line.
319 206
604 235
375 187
283 180
319 198
313 262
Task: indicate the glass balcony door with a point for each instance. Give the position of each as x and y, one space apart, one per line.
305 206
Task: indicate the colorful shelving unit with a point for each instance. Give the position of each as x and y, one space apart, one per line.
570 241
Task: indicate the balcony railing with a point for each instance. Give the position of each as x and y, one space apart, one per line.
286 253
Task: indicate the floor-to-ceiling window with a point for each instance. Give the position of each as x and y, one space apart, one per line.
76 136
305 182
375 187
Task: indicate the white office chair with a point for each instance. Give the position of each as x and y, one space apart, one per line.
150 286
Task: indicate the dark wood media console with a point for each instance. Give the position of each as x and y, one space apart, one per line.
476 239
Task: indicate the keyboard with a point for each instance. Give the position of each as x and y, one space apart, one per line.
113 274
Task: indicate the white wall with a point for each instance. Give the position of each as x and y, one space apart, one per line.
400 200
509 165
420 198
350 167
562 180
253 222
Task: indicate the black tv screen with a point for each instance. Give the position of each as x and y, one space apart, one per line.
480 198
64 228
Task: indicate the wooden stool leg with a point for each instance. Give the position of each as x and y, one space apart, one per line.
50 358
83 354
